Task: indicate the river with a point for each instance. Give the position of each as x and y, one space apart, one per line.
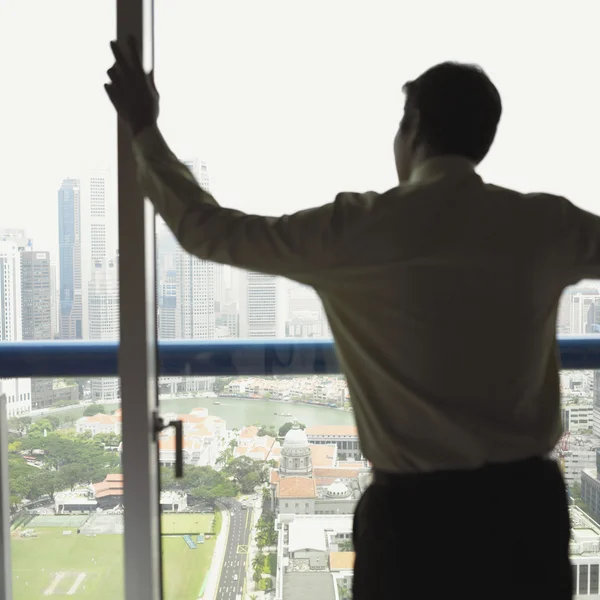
238 412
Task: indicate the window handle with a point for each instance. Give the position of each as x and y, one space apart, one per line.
160 425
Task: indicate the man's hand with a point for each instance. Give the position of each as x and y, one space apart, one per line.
132 90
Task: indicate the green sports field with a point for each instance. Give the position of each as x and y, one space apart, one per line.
91 567
187 523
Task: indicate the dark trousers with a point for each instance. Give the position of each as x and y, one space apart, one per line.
499 532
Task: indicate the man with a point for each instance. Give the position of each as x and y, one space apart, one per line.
442 296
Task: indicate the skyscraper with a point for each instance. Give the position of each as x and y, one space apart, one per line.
103 314
186 293
97 209
69 241
17 391
261 306
36 295
54 294
36 310
186 284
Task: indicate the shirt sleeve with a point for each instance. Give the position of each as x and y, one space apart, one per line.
305 246
581 231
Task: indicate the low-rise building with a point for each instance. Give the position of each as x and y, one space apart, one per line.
345 437
311 556
100 423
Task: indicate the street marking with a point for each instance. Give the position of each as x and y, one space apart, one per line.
242 549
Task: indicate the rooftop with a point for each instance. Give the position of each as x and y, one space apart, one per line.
297 487
299 586
341 561
323 456
331 430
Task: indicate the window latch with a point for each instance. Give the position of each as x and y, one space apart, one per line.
161 425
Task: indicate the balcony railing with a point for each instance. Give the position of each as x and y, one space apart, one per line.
218 358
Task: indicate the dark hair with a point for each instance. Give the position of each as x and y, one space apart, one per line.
458 108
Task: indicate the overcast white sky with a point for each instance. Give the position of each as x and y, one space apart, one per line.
291 102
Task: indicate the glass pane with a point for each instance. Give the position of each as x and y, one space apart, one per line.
279 109
59 273
66 493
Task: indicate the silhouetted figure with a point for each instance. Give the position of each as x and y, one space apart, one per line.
442 296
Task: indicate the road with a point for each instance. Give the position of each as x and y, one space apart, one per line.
236 552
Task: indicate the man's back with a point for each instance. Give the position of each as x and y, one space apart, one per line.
445 317
442 298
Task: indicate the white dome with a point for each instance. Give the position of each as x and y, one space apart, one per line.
338 489
295 437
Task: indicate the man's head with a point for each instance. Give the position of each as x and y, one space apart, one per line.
452 108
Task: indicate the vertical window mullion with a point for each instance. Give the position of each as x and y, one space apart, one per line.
137 353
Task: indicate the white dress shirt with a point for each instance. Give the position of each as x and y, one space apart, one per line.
441 295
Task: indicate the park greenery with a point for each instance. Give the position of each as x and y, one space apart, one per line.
266 535
94 409
63 459
287 426
46 458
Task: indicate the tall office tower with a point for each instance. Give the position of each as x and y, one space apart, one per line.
580 306
593 317
36 295
186 284
261 306
97 216
55 306
195 309
167 286
69 243
186 293
98 226
103 311
574 310
36 311
17 391
220 287
167 308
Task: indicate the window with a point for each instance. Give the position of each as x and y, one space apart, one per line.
239 431
63 447
583 579
594 578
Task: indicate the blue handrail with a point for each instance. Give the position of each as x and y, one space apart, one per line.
176 358
220 358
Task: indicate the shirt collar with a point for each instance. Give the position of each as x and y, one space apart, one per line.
441 166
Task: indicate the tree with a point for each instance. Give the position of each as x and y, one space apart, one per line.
220 383
16 424
346 546
267 430
266 498
249 481
258 562
94 409
55 421
287 426
246 472
38 428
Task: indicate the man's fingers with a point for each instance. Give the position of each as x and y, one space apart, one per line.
113 74
120 59
115 97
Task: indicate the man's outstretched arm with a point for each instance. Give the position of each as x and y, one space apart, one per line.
303 246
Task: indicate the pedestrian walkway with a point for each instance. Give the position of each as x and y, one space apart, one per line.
214 575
